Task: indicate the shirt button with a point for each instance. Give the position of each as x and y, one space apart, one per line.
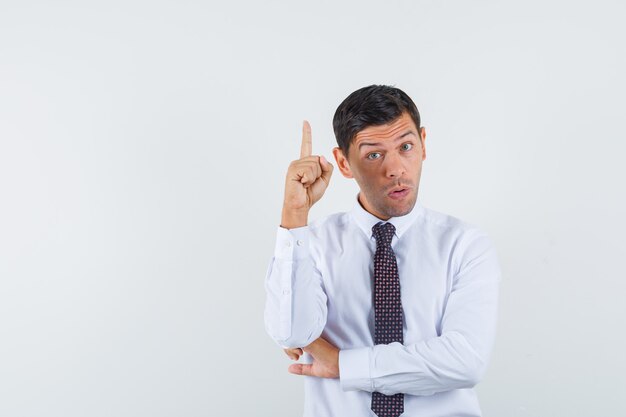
288 244
286 292
299 243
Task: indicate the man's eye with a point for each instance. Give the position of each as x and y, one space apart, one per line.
373 155
407 146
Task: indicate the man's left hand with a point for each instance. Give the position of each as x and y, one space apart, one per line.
325 361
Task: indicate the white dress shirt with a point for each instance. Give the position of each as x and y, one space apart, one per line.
319 283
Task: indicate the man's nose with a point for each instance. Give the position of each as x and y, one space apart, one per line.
394 166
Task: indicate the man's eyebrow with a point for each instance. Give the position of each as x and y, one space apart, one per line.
410 132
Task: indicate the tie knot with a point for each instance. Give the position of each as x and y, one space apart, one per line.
383 233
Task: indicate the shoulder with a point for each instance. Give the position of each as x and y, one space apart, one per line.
466 242
327 232
330 224
450 225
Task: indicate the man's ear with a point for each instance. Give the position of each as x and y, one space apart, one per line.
423 137
342 162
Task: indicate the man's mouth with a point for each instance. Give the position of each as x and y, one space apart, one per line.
398 192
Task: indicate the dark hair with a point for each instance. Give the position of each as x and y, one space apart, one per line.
370 106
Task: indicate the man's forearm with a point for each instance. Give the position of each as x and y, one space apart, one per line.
441 364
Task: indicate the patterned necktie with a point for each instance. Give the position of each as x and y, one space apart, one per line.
387 311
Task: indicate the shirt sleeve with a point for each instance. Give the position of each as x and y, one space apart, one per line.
295 306
458 358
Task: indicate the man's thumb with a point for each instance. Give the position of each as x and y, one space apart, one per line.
327 167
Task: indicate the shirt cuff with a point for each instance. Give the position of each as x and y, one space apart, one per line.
354 370
292 243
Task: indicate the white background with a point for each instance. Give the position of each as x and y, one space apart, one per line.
143 147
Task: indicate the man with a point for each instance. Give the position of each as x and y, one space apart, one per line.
393 304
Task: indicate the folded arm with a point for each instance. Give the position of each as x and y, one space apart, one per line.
458 358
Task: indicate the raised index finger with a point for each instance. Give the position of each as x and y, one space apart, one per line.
307 142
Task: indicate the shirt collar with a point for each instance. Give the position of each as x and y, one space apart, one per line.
366 220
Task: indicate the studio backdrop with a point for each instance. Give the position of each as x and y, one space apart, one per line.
143 150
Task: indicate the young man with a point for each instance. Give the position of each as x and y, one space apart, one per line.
394 304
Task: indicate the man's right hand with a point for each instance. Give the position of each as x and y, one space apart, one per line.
306 182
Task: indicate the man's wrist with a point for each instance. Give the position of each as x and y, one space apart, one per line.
292 219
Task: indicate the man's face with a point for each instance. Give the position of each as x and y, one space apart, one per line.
386 162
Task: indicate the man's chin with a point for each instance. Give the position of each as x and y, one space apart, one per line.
385 207
399 211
